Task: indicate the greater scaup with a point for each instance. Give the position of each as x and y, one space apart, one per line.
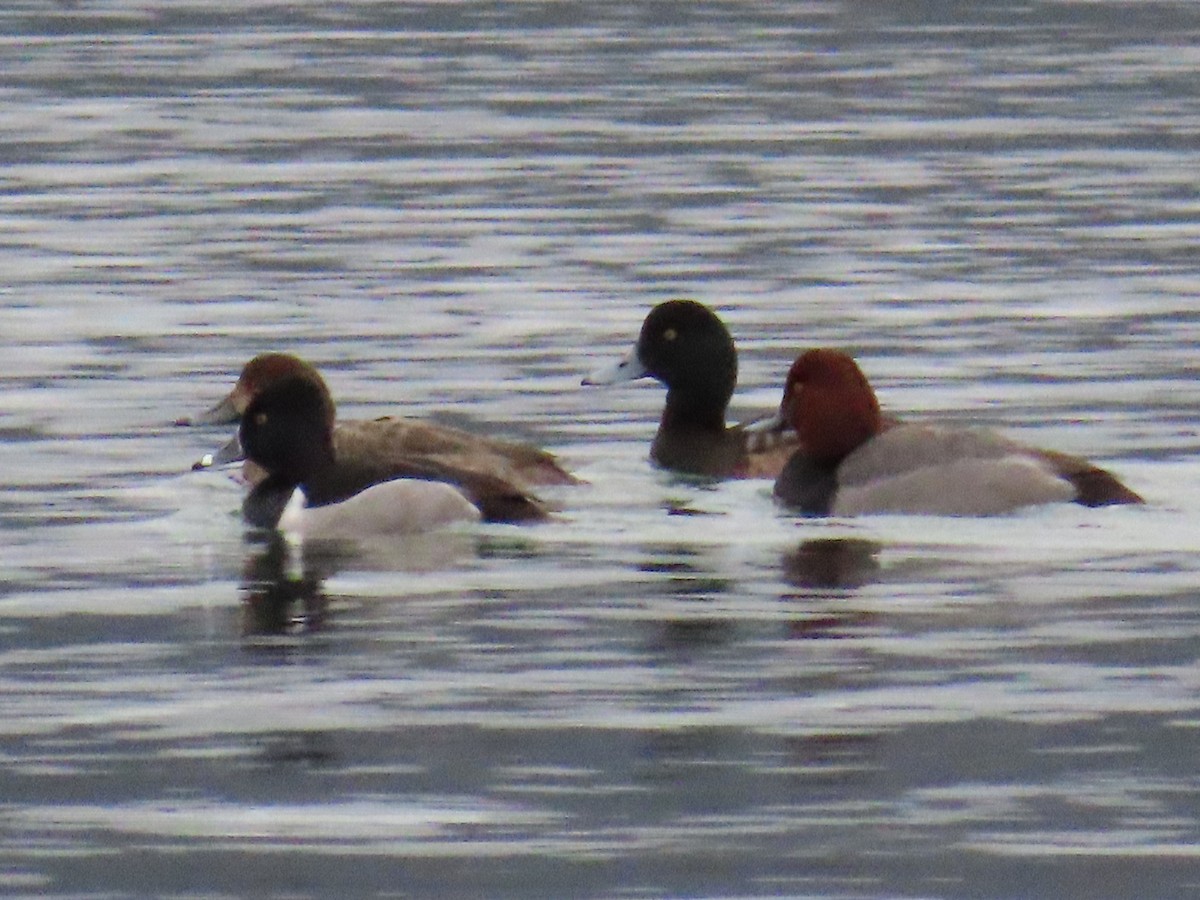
684 345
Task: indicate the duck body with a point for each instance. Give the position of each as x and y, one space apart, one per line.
395 508
925 469
498 499
286 432
855 461
684 345
385 440
493 474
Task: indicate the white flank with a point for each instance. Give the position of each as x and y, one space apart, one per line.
400 507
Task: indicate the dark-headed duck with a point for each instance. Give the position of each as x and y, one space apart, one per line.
386 440
288 433
686 346
856 461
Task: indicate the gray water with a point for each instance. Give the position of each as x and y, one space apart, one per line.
672 689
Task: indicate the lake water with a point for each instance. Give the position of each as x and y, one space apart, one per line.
672 689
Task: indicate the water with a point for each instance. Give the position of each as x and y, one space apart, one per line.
456 210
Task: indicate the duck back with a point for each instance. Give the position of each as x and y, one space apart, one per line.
396 439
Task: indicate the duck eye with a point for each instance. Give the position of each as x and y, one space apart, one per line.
670 334
260 419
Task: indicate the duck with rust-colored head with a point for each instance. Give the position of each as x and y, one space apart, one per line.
856 461
684 345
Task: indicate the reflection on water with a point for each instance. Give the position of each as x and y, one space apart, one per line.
832 563
281 592
671 688
283 580
828 570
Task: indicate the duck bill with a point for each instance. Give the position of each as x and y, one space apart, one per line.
770 425
628 369
231 452
767 434
224 413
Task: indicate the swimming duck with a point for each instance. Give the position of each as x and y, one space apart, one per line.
296 444
389 438
286 431
387 435
686 346
856 461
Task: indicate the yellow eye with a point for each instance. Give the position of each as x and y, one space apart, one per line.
670 334
260 419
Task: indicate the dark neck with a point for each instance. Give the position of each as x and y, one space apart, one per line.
265 503
335 482
807 485
694 410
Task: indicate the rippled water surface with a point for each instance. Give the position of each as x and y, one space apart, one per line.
456 209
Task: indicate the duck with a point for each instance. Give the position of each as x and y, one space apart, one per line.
386 439
854 460
287 432
685 345
356 459
386 436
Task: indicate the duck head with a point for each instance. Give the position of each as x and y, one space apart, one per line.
684 345
287 429
257 375
829 402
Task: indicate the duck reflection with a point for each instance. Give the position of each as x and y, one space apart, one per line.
691 626
282 589
829 564
283 580
307 749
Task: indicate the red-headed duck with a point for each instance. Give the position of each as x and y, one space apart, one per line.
389 440
288 433
855 461
684 345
